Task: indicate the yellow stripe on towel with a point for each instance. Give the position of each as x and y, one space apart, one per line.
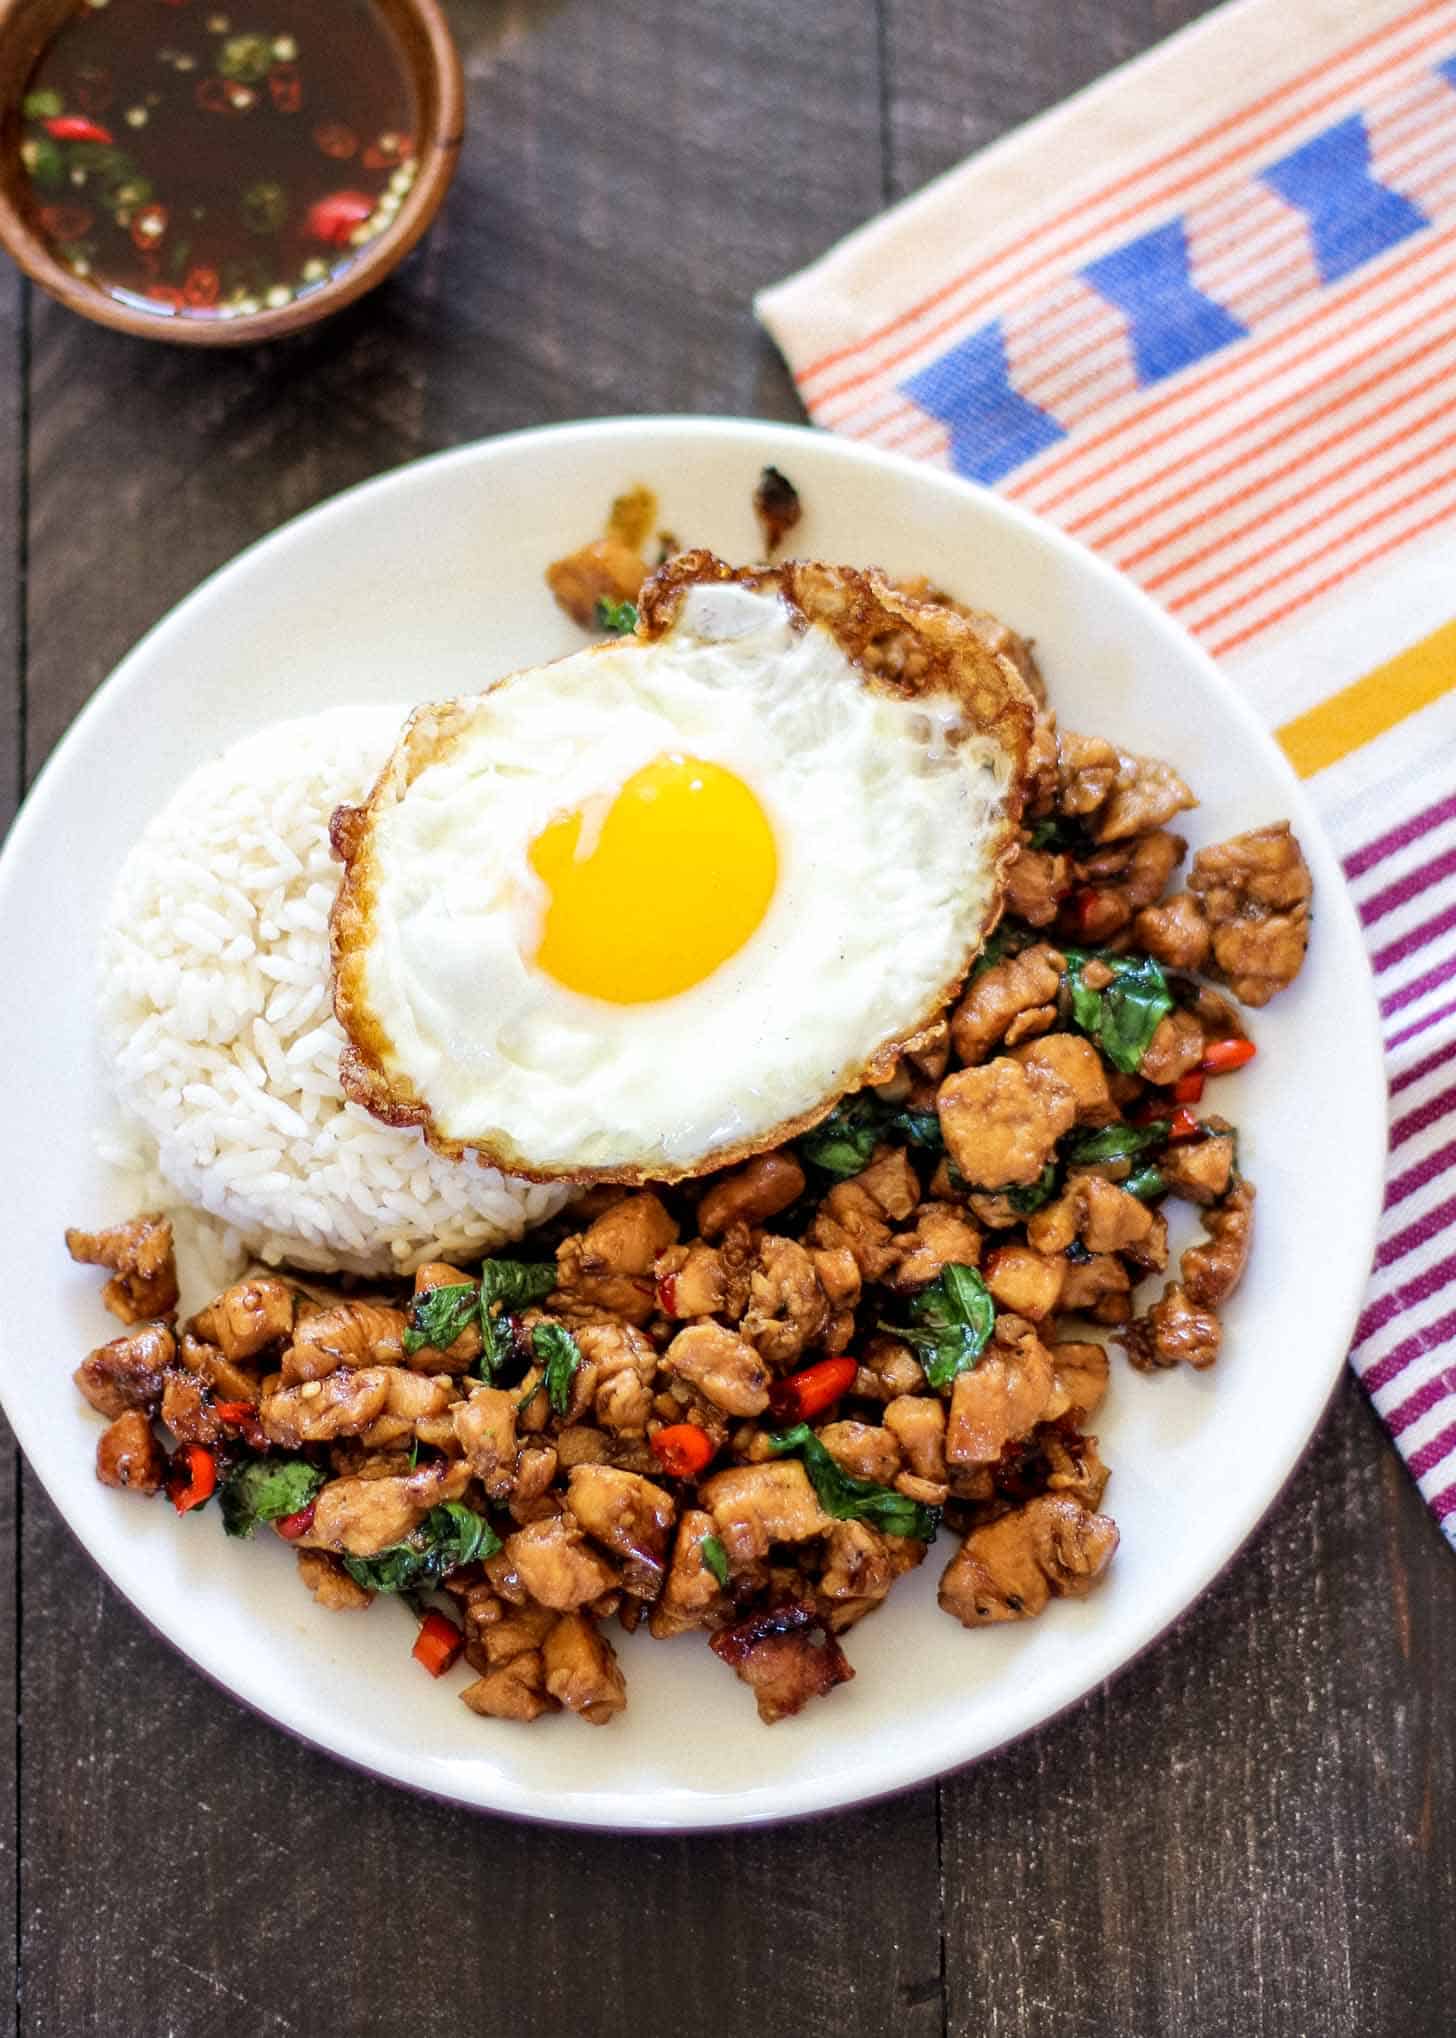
1366 708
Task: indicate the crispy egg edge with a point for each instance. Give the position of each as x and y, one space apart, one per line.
857 608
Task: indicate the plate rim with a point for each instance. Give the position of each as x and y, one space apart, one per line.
607 1809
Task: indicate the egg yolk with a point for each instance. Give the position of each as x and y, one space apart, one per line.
674 881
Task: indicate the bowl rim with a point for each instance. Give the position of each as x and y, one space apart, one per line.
610 1807
437 154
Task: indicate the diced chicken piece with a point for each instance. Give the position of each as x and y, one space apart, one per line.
1211 1271
581 1670
414 1404
787 1309
1174 1331
331 1584
1001 1399
1041 765
761 1189
1176 1047
580 1444
1087 768
1174 932
941 1236
515 1691
140 1257
917 1423
998 995
722 1366
1112 1220
856 1215
187 1410
361 1516
248 1317
343 1405
1036 883
1089 1284
1008 1570
486 1428
756 1506
228 1381
609 1266
863 1449
556 1565
1074 1467
1082 1370
1026 1282
1200 1170
130 1372
1075 1062
628 1516
465 1350
930 1054
1146 794
129 1455
536 1467
887 1367
352 1334
1002 1121
624 1363
1255 891
859 1569
494 1634
786 1656
692 1281
690 1593
604 570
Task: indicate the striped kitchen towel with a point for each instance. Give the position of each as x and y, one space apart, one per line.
1225 357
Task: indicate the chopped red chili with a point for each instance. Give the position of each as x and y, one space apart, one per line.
683 1449
191 1476
74 127
1222 1055
1188 1089
242 1415
803 1395
292 1526
1184 1124
438 1644
667 1294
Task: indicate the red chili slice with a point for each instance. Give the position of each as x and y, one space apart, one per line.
74 127
1183 1124
292 1526
1188 1089
667 1294
191 1477
803 1395
683 1449
333 219
438 1643
202 288
1222 1055
242 1415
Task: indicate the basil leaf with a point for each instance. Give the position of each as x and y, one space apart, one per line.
560 1354
844 1143
1116 1142
266 1489
950 1326
437 1317
1058 832
617 618
847 1498
450 1537
716 1558
919 1128
1145 1184
1032 1195
1122 1017
513 1284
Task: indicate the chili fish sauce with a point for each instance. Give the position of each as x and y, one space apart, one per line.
204 162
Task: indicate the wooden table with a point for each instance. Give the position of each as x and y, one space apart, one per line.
1254 1829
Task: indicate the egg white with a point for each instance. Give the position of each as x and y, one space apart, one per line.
885 813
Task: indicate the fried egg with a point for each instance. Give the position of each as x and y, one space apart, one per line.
659 904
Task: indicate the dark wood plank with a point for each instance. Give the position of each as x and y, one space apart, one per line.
12 451
959 73
1250 1831
632 174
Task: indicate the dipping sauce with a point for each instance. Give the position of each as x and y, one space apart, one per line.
203 163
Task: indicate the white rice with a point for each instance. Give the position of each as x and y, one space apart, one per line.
218 1026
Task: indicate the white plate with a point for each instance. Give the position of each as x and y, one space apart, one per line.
426 583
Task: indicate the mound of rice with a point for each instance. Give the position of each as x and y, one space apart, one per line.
218 1027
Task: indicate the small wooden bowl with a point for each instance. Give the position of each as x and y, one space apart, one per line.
26 26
